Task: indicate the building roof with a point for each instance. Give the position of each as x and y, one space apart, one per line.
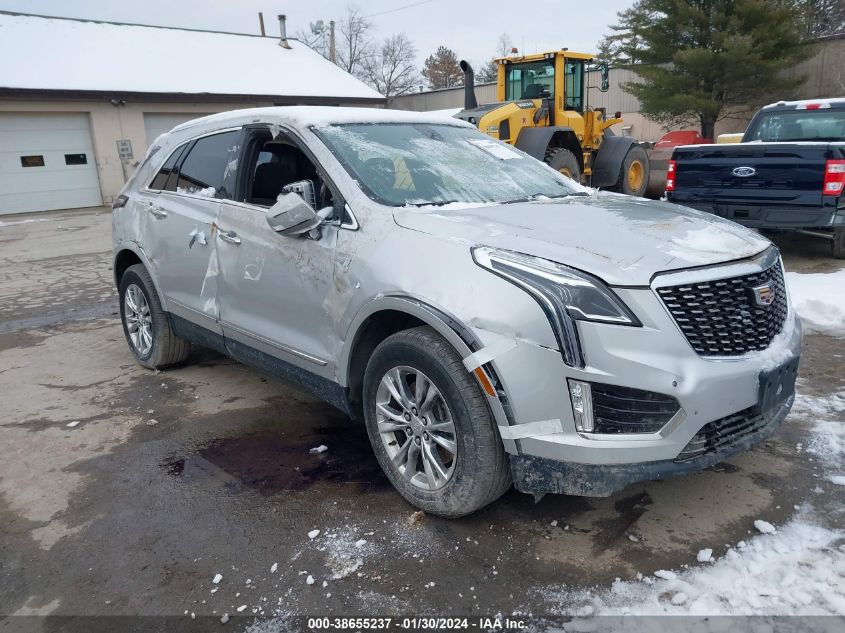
47 53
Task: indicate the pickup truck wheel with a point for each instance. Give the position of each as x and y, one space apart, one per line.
564 161
430 427
839 243
145 324
634 173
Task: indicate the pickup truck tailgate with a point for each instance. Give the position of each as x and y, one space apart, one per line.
751 173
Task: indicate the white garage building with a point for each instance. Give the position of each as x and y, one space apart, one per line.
80 101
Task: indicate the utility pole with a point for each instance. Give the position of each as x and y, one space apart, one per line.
332 49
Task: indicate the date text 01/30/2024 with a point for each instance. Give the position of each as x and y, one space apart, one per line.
415 623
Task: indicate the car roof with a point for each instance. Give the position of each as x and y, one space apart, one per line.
804 104
308 116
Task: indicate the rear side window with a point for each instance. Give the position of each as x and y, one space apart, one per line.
210 167
159 183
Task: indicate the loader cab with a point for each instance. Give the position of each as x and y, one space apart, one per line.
557 76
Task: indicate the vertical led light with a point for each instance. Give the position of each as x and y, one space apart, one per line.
582 405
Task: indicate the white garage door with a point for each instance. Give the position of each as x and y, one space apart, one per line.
157 123
46 162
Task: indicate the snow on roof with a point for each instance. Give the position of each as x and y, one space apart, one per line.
306 116
804 102
45 53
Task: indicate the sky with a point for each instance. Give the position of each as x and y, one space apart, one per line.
471 29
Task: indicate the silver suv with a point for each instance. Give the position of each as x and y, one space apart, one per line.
491 321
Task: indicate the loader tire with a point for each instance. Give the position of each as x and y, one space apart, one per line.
564 161
634 173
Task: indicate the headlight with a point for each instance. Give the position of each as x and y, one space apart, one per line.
565 294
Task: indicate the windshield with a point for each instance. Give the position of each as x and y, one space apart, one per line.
799 125
533 80
421 164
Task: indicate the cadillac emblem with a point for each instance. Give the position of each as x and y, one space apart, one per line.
764 295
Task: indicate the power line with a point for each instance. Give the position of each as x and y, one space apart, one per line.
407 6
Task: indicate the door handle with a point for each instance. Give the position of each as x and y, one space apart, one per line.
157 211
229 236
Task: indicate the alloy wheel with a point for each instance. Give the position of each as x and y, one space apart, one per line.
416 427
139 322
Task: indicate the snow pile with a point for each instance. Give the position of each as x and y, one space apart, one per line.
796 571
819 299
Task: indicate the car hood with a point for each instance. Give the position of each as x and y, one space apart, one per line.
621 239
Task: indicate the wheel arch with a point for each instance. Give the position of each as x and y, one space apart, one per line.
536 141
381 318
609 158
128 254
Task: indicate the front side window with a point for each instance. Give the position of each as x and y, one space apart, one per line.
210 166
798 125
420 164
535 80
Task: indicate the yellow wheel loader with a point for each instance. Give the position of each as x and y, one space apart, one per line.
544 110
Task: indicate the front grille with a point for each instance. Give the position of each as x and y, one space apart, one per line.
721 317
626 410
723 433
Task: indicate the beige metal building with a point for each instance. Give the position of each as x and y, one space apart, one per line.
80 101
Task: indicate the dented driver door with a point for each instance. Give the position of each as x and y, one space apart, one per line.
275 291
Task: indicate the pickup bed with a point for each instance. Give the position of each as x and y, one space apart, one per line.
787 174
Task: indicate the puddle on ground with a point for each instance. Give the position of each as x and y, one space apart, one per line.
273 461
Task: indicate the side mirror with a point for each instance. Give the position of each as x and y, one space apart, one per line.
291 215
605 76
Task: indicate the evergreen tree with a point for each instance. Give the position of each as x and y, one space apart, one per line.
701 58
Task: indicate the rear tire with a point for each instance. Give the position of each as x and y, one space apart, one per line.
564 161
634 173
478 470
839 243
145 323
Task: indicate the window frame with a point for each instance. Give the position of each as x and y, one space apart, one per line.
347 221
187 145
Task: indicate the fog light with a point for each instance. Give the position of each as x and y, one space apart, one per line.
582 405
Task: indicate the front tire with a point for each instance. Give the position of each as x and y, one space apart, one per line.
430 426
634 173
564 161
145 324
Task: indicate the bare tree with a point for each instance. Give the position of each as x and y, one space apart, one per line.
489 72
316 37
390 69
504 45
354 44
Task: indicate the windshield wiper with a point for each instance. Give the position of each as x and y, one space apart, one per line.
438 203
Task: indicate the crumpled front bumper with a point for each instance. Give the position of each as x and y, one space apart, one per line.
538 475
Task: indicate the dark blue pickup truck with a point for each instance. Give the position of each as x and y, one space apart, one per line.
788 173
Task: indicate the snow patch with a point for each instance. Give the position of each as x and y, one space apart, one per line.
819 299
705 245
322 448
764 527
